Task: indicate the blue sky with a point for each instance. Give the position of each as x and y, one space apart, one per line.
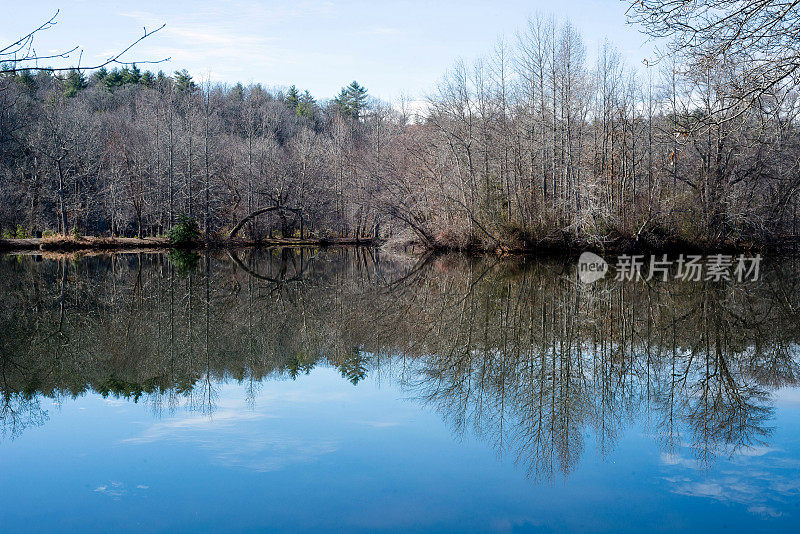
392 48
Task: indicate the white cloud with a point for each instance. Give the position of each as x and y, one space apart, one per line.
273 454
383 31
675 459
233 436
178 427
756 451
379 424
116 490
756 478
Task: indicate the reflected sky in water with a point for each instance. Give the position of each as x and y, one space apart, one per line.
365 421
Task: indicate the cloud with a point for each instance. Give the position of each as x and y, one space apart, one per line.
765 511
701 489
180 427
117 490
379 424
788 395
755 451
233 437
757 478
675 459
203 43
215 35
383 31
242 15
237 41
263 455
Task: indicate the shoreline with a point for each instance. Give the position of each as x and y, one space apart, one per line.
118 244
565 247
620 246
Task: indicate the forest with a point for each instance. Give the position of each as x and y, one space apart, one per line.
531 146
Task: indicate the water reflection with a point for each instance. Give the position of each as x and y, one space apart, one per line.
516 352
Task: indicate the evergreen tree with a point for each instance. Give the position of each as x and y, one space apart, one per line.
147 79
308 106
115 78
293 98
74 82
351 100
99 75
184 82
356 98
131 75
341 103
25 78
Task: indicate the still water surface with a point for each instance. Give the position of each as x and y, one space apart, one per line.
302 390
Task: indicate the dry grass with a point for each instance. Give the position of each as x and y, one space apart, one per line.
67 243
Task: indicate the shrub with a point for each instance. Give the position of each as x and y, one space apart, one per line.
16 233
185 231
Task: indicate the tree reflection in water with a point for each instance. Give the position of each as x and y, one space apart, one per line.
517 352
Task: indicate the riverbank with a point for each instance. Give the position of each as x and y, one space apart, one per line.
565 244
562 245
88 243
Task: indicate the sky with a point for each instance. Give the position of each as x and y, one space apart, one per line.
393 48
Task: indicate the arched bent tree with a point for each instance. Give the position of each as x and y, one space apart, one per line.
235 230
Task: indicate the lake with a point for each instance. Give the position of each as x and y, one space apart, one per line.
357 390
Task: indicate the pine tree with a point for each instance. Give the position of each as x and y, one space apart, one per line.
357 99
184 82
99 75
115 78
351 101
147 79
293 98
132 75
26 79
307 107
74 82
341 103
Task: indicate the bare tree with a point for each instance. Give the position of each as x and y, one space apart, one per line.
21 54
761 36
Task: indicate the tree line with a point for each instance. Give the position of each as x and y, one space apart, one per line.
125 152
532 145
